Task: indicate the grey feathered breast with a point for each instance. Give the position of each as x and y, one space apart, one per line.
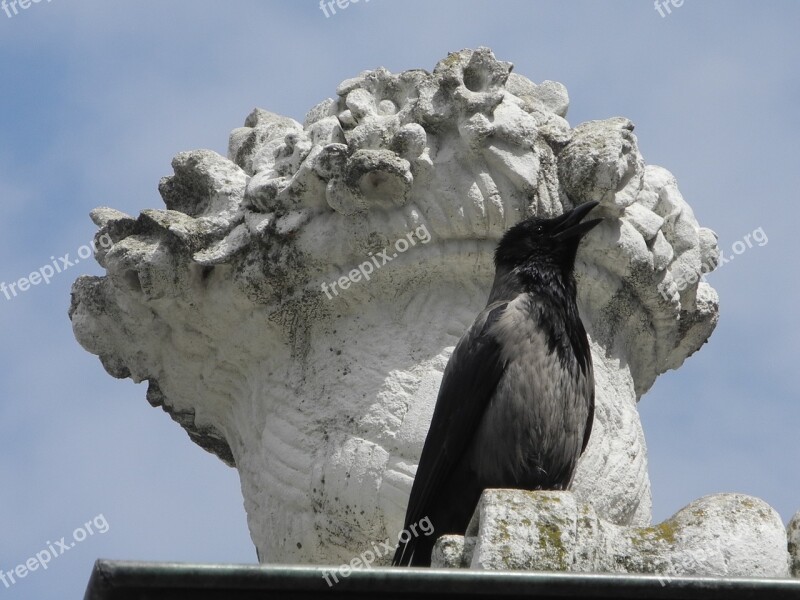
533 430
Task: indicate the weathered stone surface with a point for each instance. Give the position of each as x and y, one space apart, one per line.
793 532
723 535
267 320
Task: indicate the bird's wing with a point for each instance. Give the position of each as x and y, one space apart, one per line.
589 419
582 348
468 383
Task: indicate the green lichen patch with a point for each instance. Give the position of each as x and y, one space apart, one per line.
552 545
662 533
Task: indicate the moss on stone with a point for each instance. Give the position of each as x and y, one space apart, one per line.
502 528
551 543
747 503
663 532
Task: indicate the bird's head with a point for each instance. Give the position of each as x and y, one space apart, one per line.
545 243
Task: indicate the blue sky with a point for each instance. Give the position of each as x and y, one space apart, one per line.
98 97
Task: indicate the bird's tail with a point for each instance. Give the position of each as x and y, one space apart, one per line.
416 552
402 555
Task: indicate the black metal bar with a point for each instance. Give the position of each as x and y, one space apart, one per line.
125 580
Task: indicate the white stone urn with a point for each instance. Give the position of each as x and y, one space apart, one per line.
295 303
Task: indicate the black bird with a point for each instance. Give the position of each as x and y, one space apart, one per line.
516 403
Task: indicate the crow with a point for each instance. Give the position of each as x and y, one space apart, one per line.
516 403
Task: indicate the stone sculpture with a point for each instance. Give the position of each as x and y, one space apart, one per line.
294 305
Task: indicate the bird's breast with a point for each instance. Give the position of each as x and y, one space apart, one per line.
532 431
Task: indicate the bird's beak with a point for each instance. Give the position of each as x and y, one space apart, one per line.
570 225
